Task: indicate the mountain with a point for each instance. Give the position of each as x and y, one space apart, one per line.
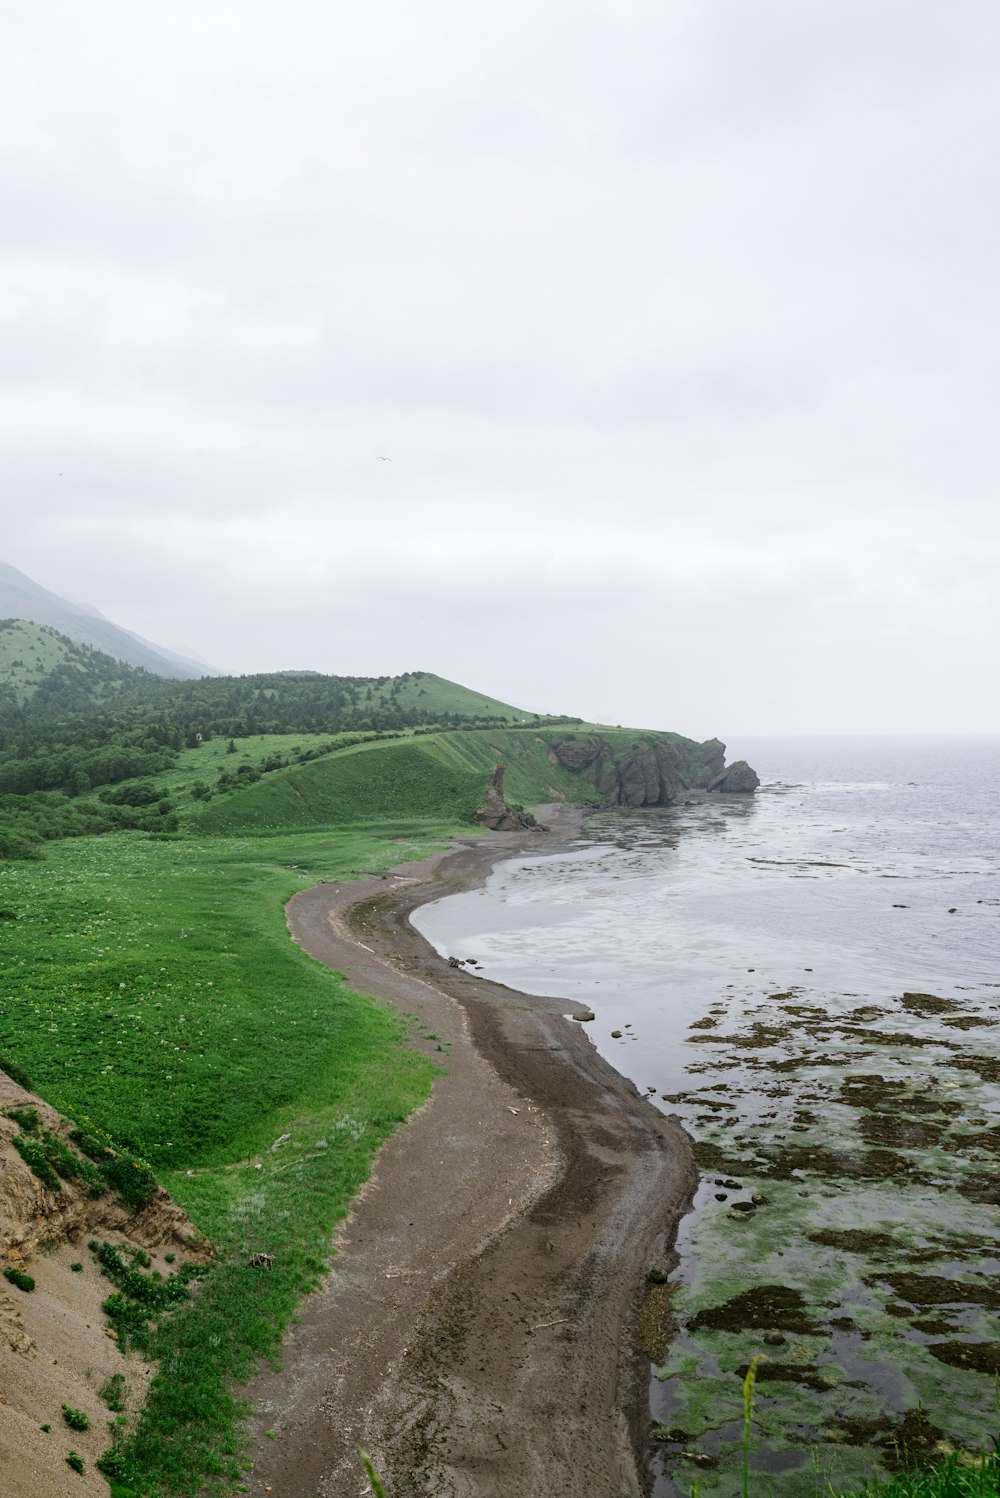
21 598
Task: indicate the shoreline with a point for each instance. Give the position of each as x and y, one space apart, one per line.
479 1332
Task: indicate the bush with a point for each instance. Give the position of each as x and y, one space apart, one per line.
112 1391
75 1419
22 1281
75 1461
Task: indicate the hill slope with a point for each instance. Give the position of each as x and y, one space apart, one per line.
22 598
445 775
55 675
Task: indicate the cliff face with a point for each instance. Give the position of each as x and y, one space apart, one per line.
654 770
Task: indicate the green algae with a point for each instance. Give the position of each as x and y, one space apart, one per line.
871 1173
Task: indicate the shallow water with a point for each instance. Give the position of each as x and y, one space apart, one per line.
754 954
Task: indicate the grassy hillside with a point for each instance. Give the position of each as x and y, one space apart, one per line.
52 673
426 775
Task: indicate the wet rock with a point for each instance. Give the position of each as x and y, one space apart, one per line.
657 1275
584 1017
721 1196
738 778
616 1035
774 1339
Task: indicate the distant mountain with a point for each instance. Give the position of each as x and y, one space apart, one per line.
21 598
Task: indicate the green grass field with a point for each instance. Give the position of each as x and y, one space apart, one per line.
151 988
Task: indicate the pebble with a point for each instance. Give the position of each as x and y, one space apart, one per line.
616 1035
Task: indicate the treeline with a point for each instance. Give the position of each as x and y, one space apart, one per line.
26 822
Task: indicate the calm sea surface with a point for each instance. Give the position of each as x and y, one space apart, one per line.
809 977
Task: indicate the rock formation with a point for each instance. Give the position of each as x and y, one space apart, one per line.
496 814
654 770
738 777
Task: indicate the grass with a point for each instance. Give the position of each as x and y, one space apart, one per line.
953 1478
150 990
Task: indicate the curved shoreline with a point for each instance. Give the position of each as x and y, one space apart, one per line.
479 1330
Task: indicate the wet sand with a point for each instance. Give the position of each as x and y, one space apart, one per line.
479 1333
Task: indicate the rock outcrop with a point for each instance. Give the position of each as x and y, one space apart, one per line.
653 770
496 814
738 777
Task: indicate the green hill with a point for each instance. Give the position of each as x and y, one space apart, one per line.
49 673
439 775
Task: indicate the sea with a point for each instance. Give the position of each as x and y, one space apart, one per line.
809 979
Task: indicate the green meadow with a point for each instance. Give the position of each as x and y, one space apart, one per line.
150 988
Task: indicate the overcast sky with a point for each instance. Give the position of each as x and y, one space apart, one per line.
676 319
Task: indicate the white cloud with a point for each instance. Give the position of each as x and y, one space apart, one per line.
673 320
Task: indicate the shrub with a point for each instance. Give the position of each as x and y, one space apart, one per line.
75 1461
32 1152
113 1392
22 1281
75 1419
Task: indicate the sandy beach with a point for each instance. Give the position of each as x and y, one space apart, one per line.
481 1332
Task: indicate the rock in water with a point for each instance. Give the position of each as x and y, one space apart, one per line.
739 777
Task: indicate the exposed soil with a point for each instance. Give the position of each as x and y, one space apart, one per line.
480 1332
55 1345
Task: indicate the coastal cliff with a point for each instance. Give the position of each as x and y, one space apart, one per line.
655 770
649 770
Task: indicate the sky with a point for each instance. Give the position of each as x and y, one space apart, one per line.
633 359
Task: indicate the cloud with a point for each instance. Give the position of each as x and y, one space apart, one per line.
674 321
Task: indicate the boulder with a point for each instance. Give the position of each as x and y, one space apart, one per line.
738 778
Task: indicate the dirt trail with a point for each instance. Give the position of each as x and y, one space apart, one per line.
478 1333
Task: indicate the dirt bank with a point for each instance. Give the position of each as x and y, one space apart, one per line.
56 1346
479 1332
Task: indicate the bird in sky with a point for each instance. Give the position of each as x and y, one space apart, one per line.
384 460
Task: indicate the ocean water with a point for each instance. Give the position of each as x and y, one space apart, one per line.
810 979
